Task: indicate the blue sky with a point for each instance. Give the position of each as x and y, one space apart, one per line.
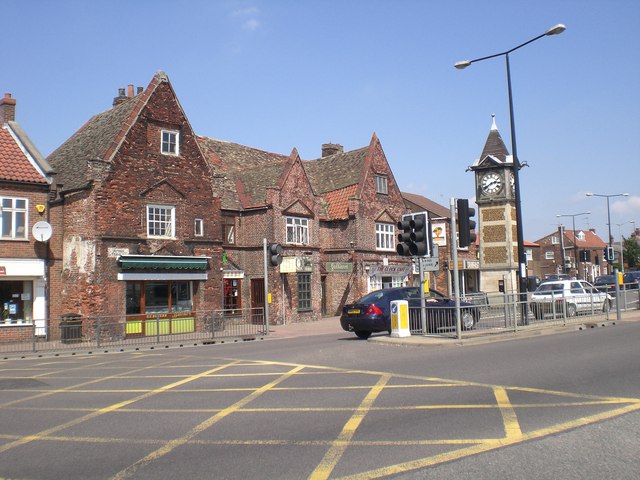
281 74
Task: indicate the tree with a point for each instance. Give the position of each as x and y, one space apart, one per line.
631 252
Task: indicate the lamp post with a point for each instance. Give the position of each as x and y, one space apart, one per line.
589 194
622 241
522 260
575 247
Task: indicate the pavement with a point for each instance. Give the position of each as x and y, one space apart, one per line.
331 325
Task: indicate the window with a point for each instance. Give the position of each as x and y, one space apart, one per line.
304 291
385 236
298 230
198 227
16 301
381 184
229 230
528 253
161 221
580 236
549 255
555 240
158 297
13 217
169 142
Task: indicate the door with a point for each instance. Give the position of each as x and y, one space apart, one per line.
257 300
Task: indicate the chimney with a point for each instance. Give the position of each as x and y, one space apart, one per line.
130 90
7 109
120 98
139 90
331 149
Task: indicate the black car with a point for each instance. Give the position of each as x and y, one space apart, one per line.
372 313
605 283
631 279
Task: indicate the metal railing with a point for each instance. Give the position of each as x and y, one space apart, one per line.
109 333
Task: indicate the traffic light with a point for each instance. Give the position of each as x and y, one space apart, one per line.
585 256
275 254
466 224
413 239
608 253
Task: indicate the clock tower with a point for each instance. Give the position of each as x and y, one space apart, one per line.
495 196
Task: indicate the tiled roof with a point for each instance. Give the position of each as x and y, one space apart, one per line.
14 163
92 141
494 145
336 171
338 202
591 239
426 204
249 172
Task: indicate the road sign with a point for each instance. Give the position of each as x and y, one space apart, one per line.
430 264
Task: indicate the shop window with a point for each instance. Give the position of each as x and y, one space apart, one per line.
13 218
158 297
304 291
16 300
232 296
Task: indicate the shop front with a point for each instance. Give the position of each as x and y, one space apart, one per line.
387 276
160 292
22 295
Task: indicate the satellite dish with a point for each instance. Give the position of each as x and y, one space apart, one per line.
42 231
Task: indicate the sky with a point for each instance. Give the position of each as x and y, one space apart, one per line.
284 74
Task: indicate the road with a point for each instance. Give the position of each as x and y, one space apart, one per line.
330 406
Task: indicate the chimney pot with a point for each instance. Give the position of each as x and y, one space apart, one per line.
130 90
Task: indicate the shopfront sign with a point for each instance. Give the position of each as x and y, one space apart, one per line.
391 270
339 267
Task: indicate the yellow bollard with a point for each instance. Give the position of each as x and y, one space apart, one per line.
400 319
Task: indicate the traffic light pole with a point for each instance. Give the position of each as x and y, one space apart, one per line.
454 259
266 287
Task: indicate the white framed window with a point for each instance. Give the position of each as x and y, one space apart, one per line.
528 253
381 184
13 218
385 236
161 221
169 142
297 230
198 227
549 255
580 236
555 240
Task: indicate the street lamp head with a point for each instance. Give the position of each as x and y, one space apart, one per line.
589 194
556 29
462 64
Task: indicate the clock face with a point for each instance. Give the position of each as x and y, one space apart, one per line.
512 183
491 183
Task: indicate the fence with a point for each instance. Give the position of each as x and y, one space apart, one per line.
495 313
109 333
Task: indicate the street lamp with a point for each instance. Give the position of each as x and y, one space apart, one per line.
622 241
575 247
589 194
522 260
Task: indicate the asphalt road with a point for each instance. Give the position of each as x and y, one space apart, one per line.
330 406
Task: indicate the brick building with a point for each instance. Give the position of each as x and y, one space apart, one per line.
557 254
26 183
140 207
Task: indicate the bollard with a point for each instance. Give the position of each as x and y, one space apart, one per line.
400 319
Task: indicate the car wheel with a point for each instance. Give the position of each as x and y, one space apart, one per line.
363 334
571 310
467 320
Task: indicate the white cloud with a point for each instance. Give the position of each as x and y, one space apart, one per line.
251 24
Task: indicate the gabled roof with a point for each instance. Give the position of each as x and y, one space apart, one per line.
20 161
336 172
425 204
338 202
249 172
100 138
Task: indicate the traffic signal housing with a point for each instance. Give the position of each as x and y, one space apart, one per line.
275 254
608 253
414 237
466 224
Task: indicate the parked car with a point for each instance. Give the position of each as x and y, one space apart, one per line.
605 283
568 297
556 276
372 313
631 279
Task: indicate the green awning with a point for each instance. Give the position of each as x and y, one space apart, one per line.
157 262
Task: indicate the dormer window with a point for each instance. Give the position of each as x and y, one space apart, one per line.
170 142
580 236
381 184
